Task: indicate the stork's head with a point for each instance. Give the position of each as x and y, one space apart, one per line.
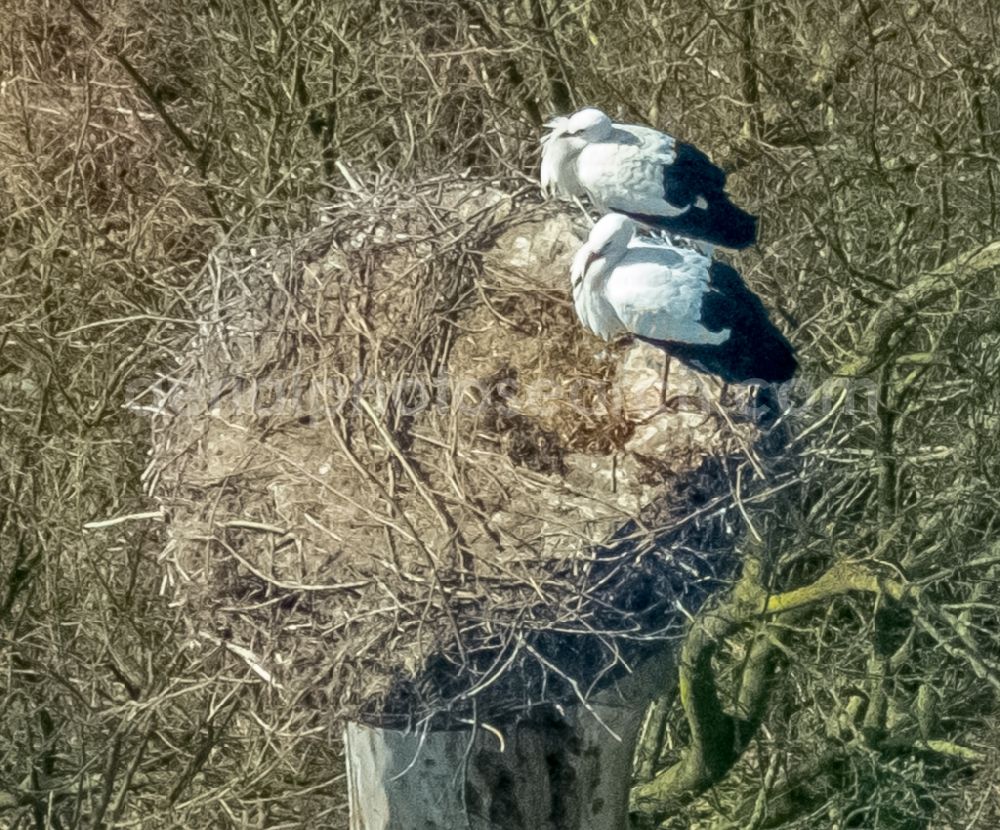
590 124
582 126
606 245
560 147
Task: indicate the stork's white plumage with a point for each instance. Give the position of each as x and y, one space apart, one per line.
644 174
679 300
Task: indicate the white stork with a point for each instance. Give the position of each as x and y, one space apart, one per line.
677 299
644 174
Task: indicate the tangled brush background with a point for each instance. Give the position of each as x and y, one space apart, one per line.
140 140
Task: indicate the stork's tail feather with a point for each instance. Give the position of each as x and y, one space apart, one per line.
761 356
774 358
723 223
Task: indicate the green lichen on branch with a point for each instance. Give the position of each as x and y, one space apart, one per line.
957 275
718 738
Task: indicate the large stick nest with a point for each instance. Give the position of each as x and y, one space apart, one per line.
397 470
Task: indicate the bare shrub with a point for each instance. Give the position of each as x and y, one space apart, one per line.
136 136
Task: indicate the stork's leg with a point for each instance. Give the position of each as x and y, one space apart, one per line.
663 384
671 404
666 404
584 211
753 403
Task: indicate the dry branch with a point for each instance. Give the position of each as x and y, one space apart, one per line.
718 739
877 160
901 309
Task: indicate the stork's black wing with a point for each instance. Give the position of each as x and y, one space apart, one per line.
756 350
691 175
687 180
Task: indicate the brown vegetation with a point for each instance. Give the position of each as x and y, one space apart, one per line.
136 136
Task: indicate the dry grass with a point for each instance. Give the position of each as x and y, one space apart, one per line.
136 140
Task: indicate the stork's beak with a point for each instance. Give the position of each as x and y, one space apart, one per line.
579 276
586 267
557 126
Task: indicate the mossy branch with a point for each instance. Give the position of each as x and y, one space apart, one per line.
718 738
956 274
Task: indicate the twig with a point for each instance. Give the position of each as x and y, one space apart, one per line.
152 515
